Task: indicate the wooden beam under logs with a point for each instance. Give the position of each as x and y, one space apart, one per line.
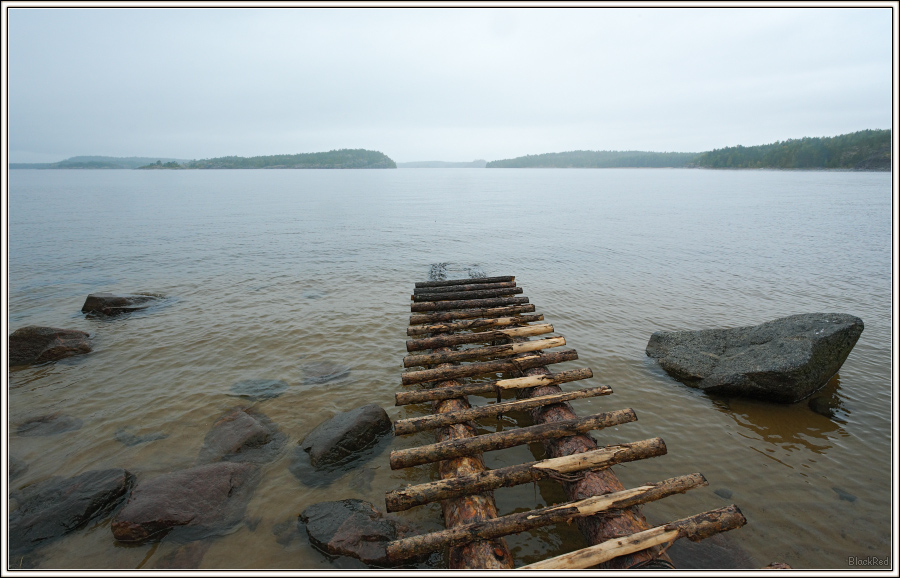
474 353
420 284
482 337
450 296
507 365
490 317
507 439
472 287
694 528
467 304
523 521
411 496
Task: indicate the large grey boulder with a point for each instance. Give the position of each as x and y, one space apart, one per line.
337 440
784 360
34 344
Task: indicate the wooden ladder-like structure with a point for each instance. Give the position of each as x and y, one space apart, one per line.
475 312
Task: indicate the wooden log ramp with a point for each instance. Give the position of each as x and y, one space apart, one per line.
461 312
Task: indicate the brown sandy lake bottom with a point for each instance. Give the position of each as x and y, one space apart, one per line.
281 275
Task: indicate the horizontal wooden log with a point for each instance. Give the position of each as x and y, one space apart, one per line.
491 387
472 287
470 280
490 317
412 425
524 521
411 496
507 439
480 368
467 304
481 337
456 295
694 528
479 352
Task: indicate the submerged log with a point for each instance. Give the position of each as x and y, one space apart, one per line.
475 353
507 439
472 287
483 337
420 284
491 317
517 364
694 528
467 304
523 521
452 295
492 387
412 425
411 496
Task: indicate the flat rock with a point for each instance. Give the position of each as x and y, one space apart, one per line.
338 439
109 304
33 344
199 502
258 389
316 372
784 360
57 506
49 425
351 528
242 435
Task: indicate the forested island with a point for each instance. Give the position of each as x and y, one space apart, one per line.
862 150
336 159
88 162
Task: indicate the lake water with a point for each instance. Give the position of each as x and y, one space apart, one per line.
267 272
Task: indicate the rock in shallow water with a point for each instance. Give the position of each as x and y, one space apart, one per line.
339 438
784 360
109 304
322 372
127 435
258 389
54 507
32 344
49 425
242 435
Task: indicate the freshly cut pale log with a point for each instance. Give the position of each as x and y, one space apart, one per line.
467 304
473 287
490 317
484 293
435 394
507 439
412 425
500 365
411 496
420 284
694 528
483 337
523 521
477 352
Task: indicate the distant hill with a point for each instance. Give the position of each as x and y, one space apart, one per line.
336 159
863 150
596 160
88 162
478 164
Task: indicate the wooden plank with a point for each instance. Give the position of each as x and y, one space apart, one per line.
482 337
424 359
446 282
490 317
456 295
467 304
507 365
472 287
507 439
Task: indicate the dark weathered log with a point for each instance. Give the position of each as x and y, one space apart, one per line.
468 509
414 424
483 337
500 365
507 439
694 528
478 352
491 387
523 521
467 304
473 287
411 496
420 284
481 318
484 293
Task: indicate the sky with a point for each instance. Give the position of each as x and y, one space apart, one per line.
451 84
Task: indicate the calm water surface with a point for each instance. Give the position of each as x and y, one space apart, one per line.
265 272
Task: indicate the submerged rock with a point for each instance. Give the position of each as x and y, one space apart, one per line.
126 435
109 304
784 360
258 389
337 440
825 405
322 372
351 528
33 344
242 435
199 502
844 495
17 467
49 425
57 506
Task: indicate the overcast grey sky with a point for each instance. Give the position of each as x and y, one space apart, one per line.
438 84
